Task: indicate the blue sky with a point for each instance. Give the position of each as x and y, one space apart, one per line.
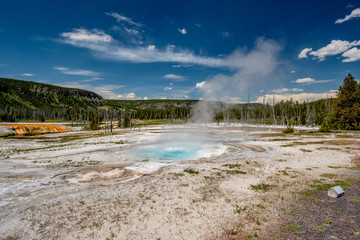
223 50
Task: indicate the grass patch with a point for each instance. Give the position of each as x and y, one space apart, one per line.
324 187
292 228
319 228
293 144
8 135
232 165
32 134
190 171
233 172
356 168
305 150
335 167
327 221
262 187
328 175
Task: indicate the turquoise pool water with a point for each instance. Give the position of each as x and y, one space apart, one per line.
169 153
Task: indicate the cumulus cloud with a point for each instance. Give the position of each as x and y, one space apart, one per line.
200 84
146 98
167 88
173 76
310 81
79 72
336 47
300 97
121 18
292 71
87 36
182 31
354 14
351 55
304 52
285 90
28 74
126 96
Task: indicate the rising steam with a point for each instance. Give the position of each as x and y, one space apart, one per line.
250 69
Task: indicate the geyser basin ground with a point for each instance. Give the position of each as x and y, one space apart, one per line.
213 199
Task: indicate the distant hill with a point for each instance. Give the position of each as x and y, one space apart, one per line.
32 100
33 95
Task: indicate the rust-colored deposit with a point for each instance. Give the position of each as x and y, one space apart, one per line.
22 129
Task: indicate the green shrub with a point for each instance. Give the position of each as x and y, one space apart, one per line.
289 129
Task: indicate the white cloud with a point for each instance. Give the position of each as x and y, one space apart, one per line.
350 6
163 97
285 90
334 48
297 90
225 34
28 74
90 36
198 25
182 31
182 65
200 85
354 14
305 80
131 31
146 98
351 55
79 72
310 81
186 97
151 47
333 91
105 47
173 76
61 68
304 52
300 97
127 96
167 88
292 71
121 18
171 84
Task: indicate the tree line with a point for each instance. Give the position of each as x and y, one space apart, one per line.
342 112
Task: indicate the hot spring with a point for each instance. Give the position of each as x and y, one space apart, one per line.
178 151
181 144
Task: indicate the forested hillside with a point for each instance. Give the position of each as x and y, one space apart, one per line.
32 95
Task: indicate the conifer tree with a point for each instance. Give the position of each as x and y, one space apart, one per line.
346 109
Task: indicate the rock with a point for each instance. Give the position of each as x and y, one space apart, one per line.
336 192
